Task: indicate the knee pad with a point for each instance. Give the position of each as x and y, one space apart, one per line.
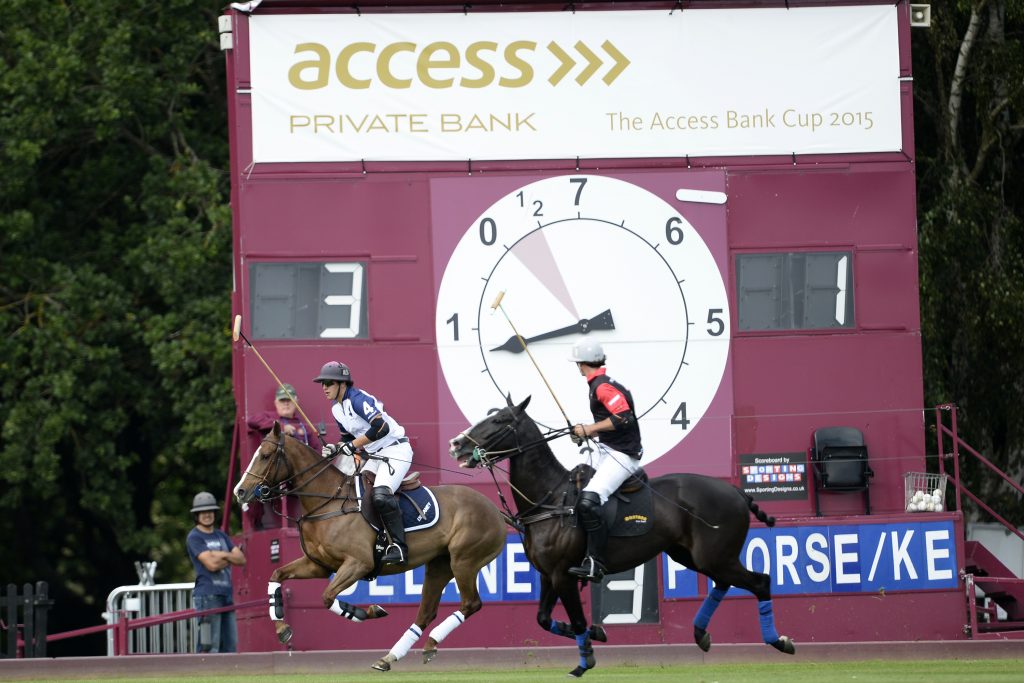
588 507
384 500
382 496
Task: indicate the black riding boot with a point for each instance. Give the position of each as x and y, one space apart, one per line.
391 515
589 509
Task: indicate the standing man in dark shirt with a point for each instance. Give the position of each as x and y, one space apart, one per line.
212 554
619 449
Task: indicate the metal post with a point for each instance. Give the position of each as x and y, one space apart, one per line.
121 634
225 523
972 609
956 455
938 439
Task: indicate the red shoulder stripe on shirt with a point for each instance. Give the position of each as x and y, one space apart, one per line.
612 399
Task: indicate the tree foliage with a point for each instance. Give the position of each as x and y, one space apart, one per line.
115 235
969 122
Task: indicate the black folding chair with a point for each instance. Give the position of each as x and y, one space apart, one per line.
840 462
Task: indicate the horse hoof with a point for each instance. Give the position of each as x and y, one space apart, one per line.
381 665
599 634
428 655
577 672
285 635
784 645
376 612
702 638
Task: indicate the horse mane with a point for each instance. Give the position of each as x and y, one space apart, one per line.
541 444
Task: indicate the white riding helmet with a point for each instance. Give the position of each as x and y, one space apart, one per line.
587 351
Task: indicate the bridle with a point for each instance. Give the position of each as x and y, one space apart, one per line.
483 454
264 490
489 459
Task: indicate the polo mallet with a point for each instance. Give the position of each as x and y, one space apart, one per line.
497 305
236 333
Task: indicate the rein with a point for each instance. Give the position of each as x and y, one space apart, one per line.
487 459
265 494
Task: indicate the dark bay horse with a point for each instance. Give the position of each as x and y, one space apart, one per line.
335 538
700 522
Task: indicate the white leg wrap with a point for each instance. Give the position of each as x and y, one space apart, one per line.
405 643
276 602
444 629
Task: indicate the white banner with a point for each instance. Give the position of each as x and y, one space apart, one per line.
531 85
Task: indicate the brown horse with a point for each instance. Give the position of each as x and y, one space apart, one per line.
335 538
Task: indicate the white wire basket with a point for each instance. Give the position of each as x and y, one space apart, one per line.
923 492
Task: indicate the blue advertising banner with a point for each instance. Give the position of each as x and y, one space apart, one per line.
841 559
801 560
508 578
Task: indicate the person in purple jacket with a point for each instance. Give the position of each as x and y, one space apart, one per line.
284 412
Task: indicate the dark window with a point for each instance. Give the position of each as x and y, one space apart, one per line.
308 300
795 291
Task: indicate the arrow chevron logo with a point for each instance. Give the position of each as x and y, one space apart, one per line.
594 62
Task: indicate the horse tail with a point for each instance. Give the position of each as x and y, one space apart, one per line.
757 512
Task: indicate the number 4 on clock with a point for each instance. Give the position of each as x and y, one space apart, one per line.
679 417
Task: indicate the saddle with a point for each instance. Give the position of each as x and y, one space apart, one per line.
419 511
581 474
410 483
629 511
369 511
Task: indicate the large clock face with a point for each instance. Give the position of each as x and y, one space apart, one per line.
584 257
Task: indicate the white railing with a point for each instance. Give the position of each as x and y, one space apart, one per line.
148 601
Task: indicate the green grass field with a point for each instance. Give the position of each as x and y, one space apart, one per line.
941 671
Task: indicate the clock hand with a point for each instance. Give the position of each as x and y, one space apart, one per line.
601 321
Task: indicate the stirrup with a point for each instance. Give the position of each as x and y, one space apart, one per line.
594 573
389 558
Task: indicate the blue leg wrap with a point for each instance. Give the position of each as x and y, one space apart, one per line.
561 629
586 649
768 632
708 608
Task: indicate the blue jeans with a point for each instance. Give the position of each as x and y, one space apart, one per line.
217 632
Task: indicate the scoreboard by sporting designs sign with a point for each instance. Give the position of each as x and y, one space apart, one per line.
597 84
